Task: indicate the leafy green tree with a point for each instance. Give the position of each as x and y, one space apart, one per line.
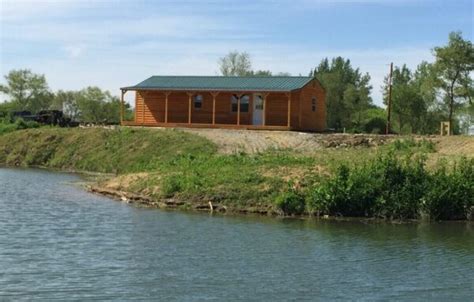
374 120
347 92
425 82
27 91
239 64
261 73
454 64
402 95
235 64
409 108
97 106
5 109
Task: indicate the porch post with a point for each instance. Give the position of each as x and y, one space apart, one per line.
289 109
143 109
190 95
265 107
122 110
166 106
214 95
238 109
300 111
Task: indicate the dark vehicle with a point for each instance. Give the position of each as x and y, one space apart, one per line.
25 115
46 117
51 117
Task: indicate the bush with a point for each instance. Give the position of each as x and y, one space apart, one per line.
410 145
375 125
291 202
6 126
395 188
451 195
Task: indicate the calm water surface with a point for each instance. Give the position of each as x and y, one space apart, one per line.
58 242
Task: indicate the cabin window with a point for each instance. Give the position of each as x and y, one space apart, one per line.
244 103
197 99
313 104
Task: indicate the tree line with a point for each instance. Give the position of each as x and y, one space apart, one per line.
435 92
28 91
421 99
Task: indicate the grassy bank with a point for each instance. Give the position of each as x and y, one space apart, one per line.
390 181
7 126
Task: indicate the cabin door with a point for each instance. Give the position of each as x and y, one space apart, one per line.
257 113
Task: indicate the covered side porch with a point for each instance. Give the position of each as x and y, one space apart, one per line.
268 110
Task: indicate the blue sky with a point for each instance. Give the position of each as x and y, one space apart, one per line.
112 44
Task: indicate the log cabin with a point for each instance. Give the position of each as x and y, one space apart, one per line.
271 103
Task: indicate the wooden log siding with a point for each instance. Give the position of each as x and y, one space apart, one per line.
313 120
276 109
216 108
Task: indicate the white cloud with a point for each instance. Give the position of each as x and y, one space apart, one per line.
126 46
74 51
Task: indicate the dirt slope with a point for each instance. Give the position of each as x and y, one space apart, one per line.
251 141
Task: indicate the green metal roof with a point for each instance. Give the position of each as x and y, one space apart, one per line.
220 83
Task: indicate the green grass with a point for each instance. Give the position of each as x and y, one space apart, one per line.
98 150
6 126
369 182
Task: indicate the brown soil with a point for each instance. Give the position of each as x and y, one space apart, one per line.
251 141
454 145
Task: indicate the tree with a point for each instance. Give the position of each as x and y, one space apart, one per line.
347 92
239 64
424 81
374 120
97 106
408 104
401 94
261 73
454 63
27 91
235 64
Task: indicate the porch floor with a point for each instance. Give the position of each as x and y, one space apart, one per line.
198 125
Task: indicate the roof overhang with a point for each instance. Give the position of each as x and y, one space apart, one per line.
132 88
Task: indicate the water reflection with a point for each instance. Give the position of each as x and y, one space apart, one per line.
59 242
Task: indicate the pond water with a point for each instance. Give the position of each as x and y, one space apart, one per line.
58 242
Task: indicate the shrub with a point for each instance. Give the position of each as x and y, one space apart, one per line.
348 193
291 202
411 144
6 126
171 185
451 194
375 125
403 184
396 188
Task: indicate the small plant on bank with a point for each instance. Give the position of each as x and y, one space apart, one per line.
171 185
410 145
291 202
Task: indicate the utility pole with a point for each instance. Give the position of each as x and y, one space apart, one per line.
389 105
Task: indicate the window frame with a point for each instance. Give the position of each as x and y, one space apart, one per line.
234 101
198 99
313 104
